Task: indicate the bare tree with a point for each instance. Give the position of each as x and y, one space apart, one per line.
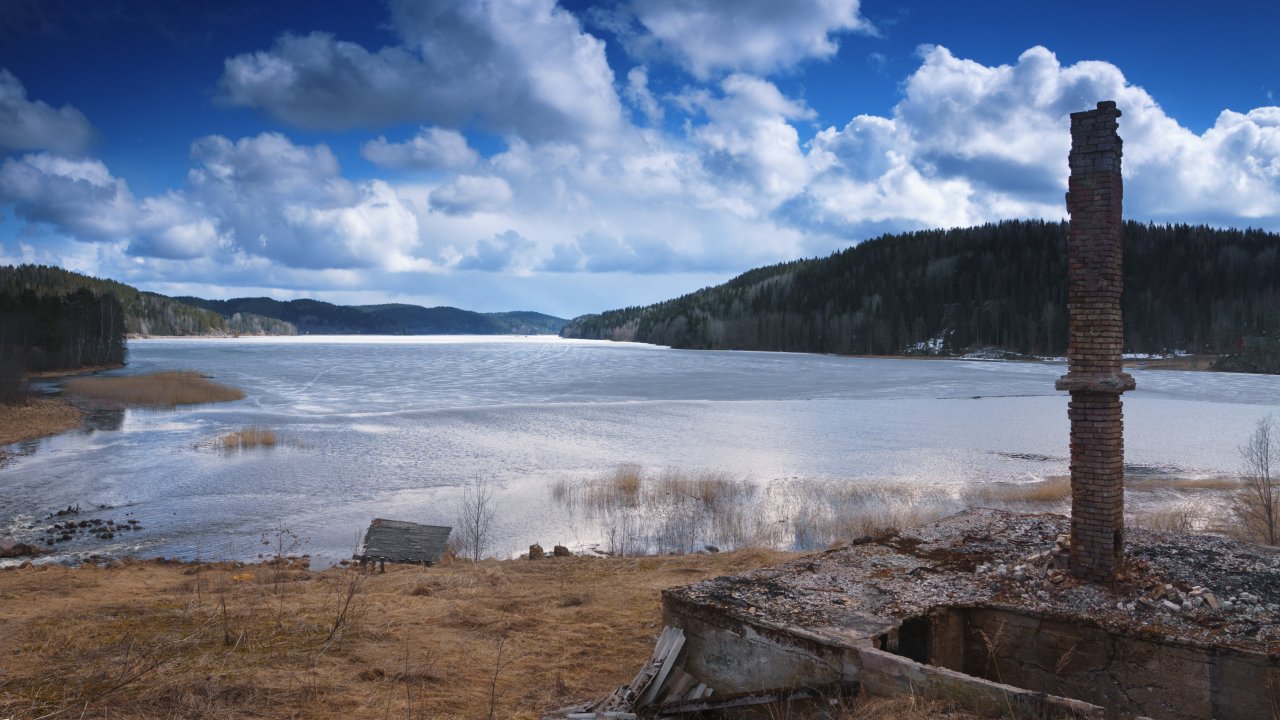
1257 502
475 519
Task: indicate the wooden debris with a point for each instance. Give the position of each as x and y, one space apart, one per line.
397 541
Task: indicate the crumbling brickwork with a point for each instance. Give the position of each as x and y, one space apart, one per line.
1095 377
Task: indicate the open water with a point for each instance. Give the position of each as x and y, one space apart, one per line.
395 426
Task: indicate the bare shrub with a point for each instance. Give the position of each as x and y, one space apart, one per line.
474 526
625 532
1182 518
678 528
1256 504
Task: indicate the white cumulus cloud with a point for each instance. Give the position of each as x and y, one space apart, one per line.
34 125
469 194
757 36
432 148
526 68
973 143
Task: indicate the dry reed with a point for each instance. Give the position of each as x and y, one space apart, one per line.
154 390
1152 484
1049 491
246 439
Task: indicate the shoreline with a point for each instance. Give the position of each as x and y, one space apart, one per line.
35 418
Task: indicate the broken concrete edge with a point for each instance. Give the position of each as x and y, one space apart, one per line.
883 673
847 655
1112 382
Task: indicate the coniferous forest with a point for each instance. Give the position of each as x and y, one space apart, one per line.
54 331
1003 286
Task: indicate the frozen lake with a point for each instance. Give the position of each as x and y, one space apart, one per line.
394 426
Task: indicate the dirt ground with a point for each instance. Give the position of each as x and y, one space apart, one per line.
147 640
499 639
36 418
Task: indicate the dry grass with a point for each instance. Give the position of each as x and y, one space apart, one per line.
149 640
246 439
156 390
1182 518
1215 482
36 418
1051 490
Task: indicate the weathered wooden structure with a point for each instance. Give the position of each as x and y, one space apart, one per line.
397 541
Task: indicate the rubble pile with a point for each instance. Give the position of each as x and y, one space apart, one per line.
1196 588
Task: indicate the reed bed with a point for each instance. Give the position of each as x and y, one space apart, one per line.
153 390
246 439
672 511
1049 491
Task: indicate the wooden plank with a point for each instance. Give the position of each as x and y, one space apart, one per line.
401 541
679 686
673 652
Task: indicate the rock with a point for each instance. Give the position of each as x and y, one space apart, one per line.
561 551
1228 606
10 548
1171 607
1212 600
536 552
712 549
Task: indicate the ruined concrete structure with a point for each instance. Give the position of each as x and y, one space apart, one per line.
1095 378
1001 611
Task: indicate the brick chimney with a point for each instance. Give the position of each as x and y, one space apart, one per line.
1095 377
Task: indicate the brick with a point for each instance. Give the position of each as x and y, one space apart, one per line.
1095 376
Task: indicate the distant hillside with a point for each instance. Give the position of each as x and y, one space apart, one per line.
315 316
1195 289
144 313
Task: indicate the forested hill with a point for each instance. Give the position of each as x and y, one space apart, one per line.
1188 288
144 313
315 316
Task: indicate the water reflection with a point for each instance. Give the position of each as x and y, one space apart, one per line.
105 419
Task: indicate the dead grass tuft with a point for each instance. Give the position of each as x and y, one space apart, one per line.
154 390
246 439
1051 490
1151 484
1181 518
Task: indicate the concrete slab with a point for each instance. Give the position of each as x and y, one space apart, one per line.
978 595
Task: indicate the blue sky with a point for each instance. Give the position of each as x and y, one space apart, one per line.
580 156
